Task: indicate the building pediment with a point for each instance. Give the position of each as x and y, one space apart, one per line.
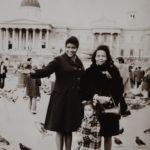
103 22
25 23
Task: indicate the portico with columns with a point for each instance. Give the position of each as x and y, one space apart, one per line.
24 37
108 37
31 35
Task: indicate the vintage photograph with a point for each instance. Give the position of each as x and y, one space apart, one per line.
74 75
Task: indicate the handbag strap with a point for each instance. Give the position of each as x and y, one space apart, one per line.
119 110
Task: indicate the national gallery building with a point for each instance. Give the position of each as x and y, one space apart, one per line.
28 36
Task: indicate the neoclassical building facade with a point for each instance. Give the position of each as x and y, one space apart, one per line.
28 36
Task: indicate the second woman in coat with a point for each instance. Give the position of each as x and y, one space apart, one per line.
102 78
64 112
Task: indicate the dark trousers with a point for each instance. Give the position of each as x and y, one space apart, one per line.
2 82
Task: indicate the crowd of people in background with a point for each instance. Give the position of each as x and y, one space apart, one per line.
95 81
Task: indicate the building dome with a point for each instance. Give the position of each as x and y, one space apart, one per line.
32 3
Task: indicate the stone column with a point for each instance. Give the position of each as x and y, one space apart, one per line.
6 39
117 47
40 39
96 40
100 38
47 38
13 38
33 39
0 39
20 38
111 44
27 38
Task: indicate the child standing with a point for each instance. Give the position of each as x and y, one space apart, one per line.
88 136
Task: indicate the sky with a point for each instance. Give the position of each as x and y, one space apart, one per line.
83 12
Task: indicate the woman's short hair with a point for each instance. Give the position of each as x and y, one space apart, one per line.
104 48
73 40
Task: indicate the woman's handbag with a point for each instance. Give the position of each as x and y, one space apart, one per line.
109 119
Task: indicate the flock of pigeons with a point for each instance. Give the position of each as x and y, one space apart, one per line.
117 141
138 140
11 95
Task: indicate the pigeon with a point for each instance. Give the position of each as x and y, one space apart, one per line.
117 141
139 141
147 131
23 147
121 130
4 141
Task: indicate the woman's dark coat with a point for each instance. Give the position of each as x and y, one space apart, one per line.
95 81
64 112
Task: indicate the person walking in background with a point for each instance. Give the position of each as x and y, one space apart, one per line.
139 75
21 75
3 71
64 112
124 72
88 135
102 78
146 84
131 75
32 89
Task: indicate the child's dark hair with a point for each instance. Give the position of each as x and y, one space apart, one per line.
89 102
98 108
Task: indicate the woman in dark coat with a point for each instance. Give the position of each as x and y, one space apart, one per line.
102 78
64 112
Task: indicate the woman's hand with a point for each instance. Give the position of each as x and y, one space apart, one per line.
107 74
32 71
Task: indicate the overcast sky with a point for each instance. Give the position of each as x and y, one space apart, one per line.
82 11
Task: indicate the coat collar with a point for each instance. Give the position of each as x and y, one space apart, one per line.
77 61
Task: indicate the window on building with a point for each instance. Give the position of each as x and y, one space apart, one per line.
115 36
96 36
122 52
131 53
105 36
43 34
44 45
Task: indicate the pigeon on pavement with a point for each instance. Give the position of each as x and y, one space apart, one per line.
117 141
23 147
147 131
139 141
4 141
